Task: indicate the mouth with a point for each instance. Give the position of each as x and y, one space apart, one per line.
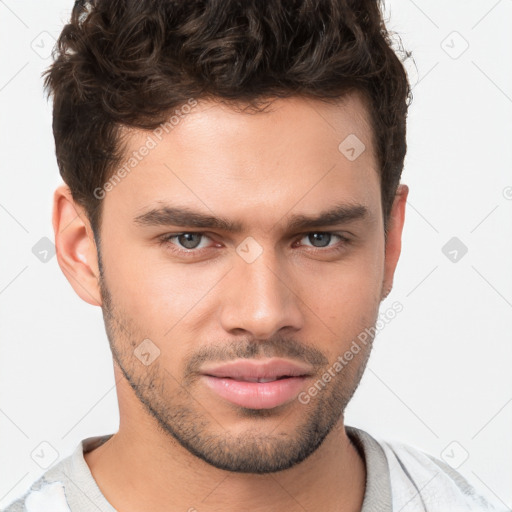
258 379
257 384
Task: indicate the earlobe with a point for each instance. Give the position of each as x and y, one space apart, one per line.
75 246
394 238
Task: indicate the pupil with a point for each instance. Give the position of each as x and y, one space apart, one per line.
315 237
184 240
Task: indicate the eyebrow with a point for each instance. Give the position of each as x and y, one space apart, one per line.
185 217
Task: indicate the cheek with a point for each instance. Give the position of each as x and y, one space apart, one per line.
344 301
156 292
346 293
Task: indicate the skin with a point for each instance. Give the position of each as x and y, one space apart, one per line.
179 445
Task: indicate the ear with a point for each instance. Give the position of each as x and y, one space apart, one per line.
75 246
394 238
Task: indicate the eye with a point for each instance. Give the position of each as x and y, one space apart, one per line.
321 239
192 243
185 241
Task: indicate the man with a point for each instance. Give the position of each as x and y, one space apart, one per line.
232 202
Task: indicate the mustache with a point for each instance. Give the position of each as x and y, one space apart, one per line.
254 349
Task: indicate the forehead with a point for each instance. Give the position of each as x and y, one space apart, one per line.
297 154
285 124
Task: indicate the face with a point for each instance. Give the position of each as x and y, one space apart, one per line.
245 238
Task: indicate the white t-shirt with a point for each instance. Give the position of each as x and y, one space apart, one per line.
399 478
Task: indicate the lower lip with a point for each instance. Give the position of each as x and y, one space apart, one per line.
256 395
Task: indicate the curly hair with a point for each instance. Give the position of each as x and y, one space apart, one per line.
129 63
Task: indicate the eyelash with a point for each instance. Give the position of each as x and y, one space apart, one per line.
166 240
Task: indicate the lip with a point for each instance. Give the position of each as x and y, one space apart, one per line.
232 382
258 369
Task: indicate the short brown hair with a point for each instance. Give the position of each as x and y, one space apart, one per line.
130 63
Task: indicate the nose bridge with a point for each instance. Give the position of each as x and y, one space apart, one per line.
261 299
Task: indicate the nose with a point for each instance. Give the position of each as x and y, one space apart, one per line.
259 299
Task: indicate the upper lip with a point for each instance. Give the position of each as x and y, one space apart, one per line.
258 369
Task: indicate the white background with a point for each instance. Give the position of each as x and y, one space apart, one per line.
440 371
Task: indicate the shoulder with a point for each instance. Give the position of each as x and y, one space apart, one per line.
421 481
65 486
44 494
